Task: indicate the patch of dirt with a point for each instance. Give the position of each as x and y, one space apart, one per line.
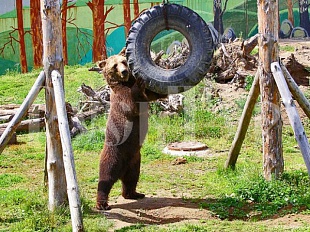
155 211
165 208
168 209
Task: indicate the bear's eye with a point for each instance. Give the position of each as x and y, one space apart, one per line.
115 66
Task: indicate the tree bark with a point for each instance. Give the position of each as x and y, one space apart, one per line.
127 19
52 60
271 116
36 29
21 35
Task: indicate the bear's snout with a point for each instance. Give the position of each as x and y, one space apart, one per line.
125 73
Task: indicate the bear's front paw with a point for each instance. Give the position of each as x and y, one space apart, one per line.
140 83
103 205
134 196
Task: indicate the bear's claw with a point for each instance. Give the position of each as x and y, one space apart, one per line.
103 206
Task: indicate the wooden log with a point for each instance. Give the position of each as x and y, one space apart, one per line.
90 114
13 124
249 44
53 60
72 186
34 111
243 123
13 139
4 112
29 125
292 113
268 30
6 118
298 95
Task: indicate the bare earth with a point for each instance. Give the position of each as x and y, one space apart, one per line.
168 208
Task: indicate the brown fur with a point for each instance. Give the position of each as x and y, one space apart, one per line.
126 130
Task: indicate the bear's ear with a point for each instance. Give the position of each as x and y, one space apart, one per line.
122 52
101 63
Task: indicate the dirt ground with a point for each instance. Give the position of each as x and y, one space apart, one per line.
164 208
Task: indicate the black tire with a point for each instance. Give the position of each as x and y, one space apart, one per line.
142 33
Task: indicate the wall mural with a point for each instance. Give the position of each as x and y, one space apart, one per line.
88 25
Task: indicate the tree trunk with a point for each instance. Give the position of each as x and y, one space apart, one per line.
21 35
136 8
127 20
36 29
52 60
304 15
271 116
99 38
217 10
64 31
290 12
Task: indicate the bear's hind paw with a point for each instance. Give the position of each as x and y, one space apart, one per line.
134 196
103 206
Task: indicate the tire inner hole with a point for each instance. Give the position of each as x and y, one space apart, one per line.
169 49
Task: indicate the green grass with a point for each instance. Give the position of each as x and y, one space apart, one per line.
237 200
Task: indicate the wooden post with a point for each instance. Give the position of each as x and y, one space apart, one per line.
243 123
268 15
52 60
298 95
292 113
23 109
72 186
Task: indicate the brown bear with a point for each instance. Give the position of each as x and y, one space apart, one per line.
126 129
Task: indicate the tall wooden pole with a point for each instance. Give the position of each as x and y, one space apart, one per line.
268 28
243 123
72 186
52 60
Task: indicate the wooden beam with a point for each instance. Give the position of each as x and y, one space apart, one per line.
52 60
268 29
13 124
243 123
72 185
298 95
292 113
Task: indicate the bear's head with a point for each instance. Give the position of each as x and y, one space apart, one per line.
115 68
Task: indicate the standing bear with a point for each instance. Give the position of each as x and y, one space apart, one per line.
126 129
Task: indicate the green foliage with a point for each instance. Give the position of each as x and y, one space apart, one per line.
258 198
287 48
90 141
249 81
